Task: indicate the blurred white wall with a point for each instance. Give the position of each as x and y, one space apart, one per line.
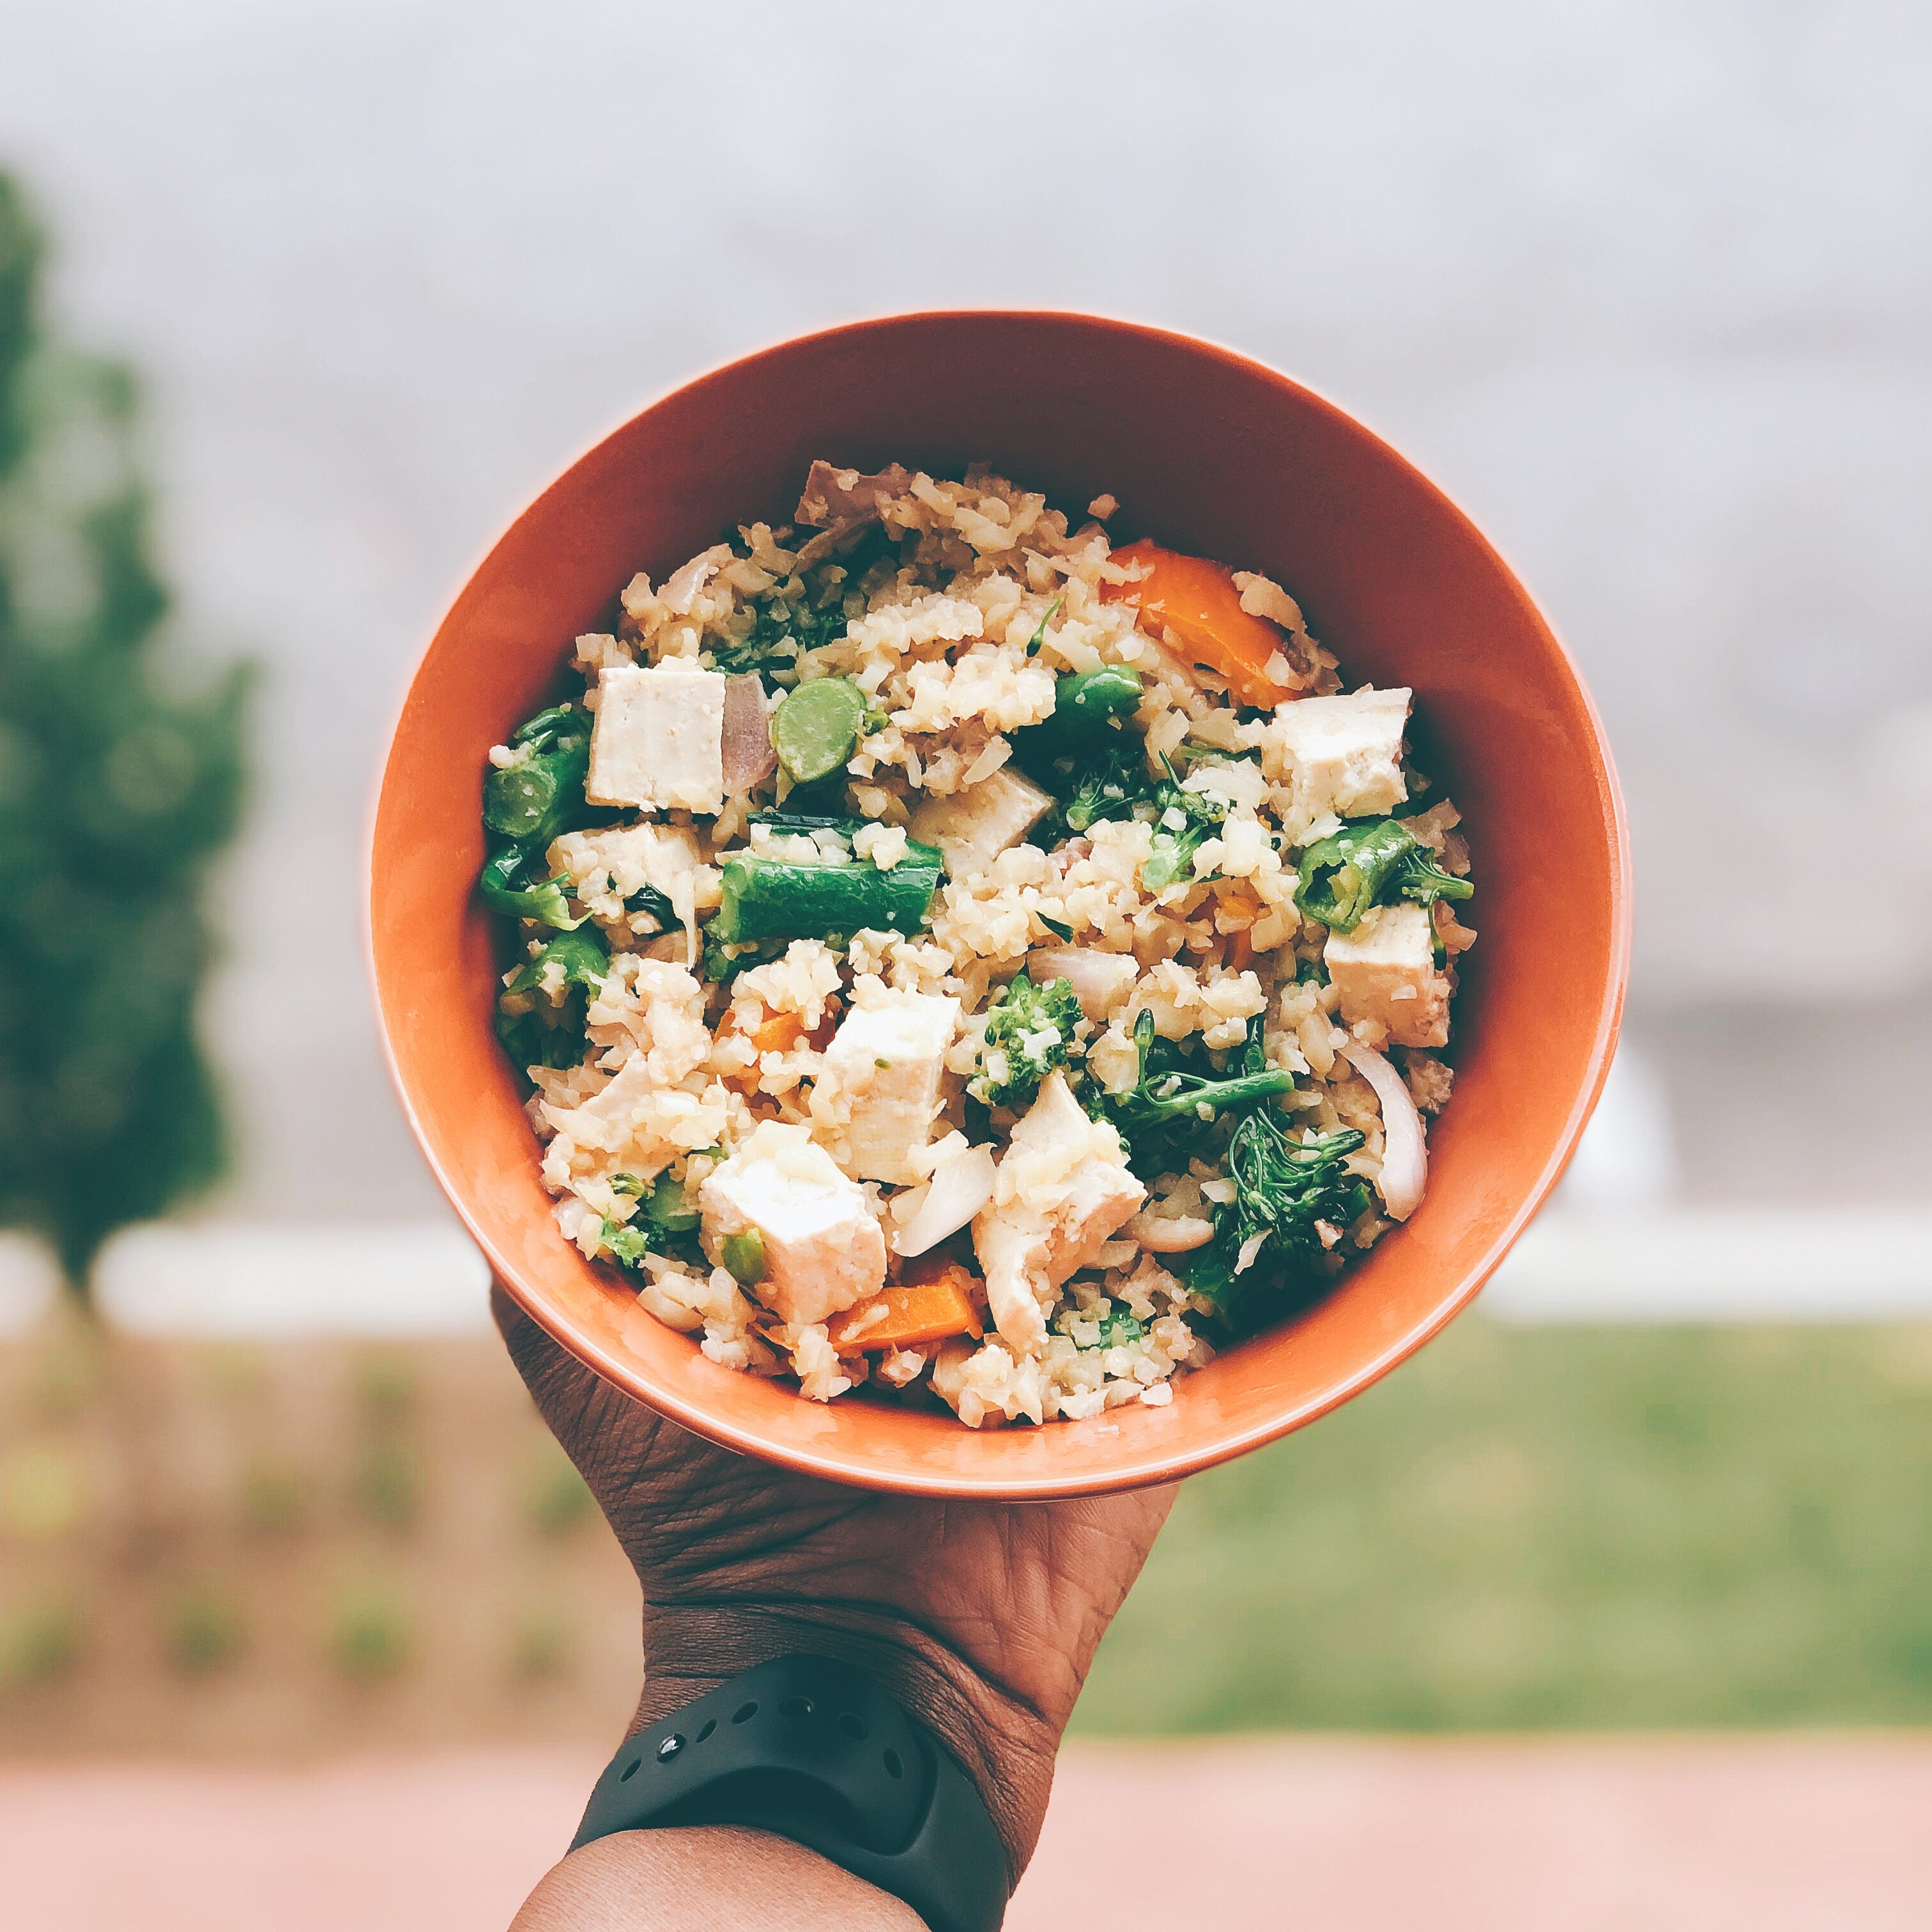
1647 285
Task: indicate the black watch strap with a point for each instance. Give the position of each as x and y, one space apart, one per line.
820 1753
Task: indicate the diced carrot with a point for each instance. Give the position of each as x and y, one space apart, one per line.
777 1033
1240 950
1197 600
914 1312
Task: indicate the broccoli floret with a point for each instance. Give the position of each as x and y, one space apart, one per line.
1184 821
1265 1237
1282 1187
1029 1032
1171 1111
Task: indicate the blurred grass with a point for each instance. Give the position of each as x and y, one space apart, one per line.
1565 1527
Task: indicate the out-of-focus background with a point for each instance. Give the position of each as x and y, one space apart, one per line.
325 293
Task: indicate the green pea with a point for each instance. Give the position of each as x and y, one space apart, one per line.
816 729
744 1255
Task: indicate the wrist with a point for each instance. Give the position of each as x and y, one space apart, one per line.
1004 1745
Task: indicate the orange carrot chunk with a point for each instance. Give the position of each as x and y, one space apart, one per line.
1197 600
913 1311
777 1032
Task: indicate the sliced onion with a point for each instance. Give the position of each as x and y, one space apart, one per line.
748 754
1405 1158
961 1185
1099 980
681 586
1171 1234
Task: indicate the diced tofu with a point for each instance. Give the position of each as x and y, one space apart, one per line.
659 740
887 1058
1063 1190
972 827
1385 970
608 1118
1100 980
1345 753
824 1246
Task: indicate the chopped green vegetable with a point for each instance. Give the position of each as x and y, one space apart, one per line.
540 793
1118 1327
624 1243
1355 1203
775 820
665 1223
1083 736
722 963
1107 784
1054 926
506 888
1282 1187
781 630
1184 821
1372 862
744 1255
561 725
1086 702
1029 1032
540 1011
648 899
1035 643
1171 1111
789 898
816 727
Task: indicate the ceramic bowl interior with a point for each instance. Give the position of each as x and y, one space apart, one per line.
1207 452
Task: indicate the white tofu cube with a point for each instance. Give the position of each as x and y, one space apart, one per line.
659 738
1385 970
609 1117
887 1059
1062 1191
824 1246
972 827
1344 754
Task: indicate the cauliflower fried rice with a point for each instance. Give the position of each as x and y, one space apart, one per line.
958 956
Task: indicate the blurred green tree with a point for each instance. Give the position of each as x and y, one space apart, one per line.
117 790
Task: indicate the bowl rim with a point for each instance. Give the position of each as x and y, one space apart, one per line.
1147 1469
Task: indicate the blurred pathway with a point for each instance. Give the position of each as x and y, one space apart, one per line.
1778 1835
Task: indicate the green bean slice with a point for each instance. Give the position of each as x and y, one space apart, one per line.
815 730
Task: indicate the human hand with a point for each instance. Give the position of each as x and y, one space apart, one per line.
981 1618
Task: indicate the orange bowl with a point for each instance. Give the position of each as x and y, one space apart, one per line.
1208 452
